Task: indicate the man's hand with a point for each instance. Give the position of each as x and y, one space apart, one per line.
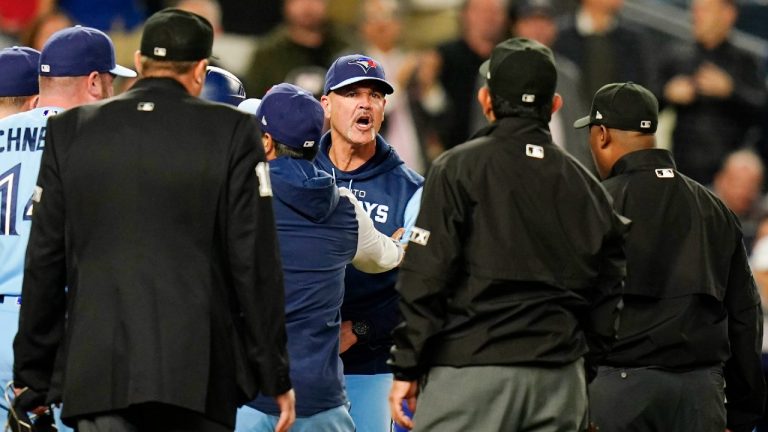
25 401
346 337
398 234
403 390
29 400
713 82
680 90
287 404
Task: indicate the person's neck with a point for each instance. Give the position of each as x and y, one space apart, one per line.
59 101
349 157
599 21
6 111
479 45
311 38
187 80
710 43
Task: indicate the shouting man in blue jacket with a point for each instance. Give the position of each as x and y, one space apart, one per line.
390 192
321 228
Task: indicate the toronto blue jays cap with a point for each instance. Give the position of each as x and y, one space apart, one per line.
78 51
291 115
625 106
177 35
522 72
18 69
355 68
222 86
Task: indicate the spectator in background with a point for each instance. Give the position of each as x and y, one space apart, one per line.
43 27
716 88
535 19
605 49
19 87
15 16
484 23
105 15
208 9
739 185
250 17
305 39
380 27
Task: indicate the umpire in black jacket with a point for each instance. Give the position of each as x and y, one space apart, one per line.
154 210
688 353
514 270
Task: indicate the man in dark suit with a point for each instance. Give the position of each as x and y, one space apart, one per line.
154 210
604 47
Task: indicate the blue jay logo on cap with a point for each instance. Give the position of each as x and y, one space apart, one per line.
365 63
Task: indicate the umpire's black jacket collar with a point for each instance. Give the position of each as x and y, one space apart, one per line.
642 160
164 83
523 128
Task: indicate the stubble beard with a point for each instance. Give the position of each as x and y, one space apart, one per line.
351 132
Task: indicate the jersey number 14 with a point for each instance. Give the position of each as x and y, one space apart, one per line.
9 193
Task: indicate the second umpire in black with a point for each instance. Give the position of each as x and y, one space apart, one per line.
688 353
154 210
514 271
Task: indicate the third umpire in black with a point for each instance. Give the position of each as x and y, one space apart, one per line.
688 353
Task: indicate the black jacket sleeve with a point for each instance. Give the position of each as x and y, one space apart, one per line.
603 320
255 261
749 90
427 272
745 386
43 306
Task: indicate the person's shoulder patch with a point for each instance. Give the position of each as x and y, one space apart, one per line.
37 195
265 184
419 236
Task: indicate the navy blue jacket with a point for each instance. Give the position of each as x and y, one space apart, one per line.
390 193
317 232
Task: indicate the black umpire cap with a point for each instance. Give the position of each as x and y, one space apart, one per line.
625 106
177 35
522 73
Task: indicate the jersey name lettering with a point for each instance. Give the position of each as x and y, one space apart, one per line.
377 212
22 139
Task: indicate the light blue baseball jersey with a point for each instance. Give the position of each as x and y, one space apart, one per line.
22 140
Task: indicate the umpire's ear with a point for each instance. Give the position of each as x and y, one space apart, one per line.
486 103
602 136
137 61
